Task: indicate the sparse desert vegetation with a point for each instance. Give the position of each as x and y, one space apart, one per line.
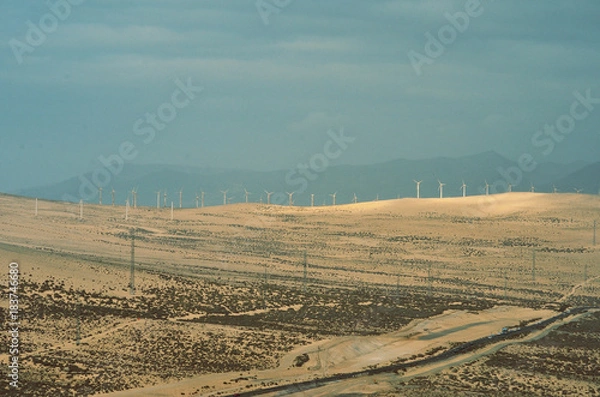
222 291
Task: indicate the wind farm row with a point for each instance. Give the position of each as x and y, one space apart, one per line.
165 200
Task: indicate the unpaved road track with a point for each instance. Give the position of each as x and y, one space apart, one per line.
448 358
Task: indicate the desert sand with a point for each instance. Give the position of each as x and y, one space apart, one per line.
222 303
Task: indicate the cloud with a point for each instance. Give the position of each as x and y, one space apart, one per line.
92 36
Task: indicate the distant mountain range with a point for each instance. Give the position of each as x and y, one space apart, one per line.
386 180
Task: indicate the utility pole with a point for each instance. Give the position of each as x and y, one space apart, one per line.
264 292
78 330
505 284
429 279
533 266
305 272
132 276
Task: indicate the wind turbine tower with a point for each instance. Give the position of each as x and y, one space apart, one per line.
224 196
487 188
441 188
312 199
158 199
268 197
464 189
291 198
355 199
510 187
112 193
333 198
532 190
180 197
165 199
247 193
202 198
418 188
197 200
99 196
134 197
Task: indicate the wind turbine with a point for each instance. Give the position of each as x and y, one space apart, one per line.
532 190
418 188
224 196
291 197
165 198
333 198
441 188
197 199
464 189
158 199
113 196
577 191
202 198
134 197
100 196
269 196
355 199
487 188
247 193
554 189
510 187
180 197
312 199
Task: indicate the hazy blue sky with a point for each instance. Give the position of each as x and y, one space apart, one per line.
272 91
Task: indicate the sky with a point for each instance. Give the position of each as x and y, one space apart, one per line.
264 85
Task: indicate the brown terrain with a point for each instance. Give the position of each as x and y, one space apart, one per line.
223 302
